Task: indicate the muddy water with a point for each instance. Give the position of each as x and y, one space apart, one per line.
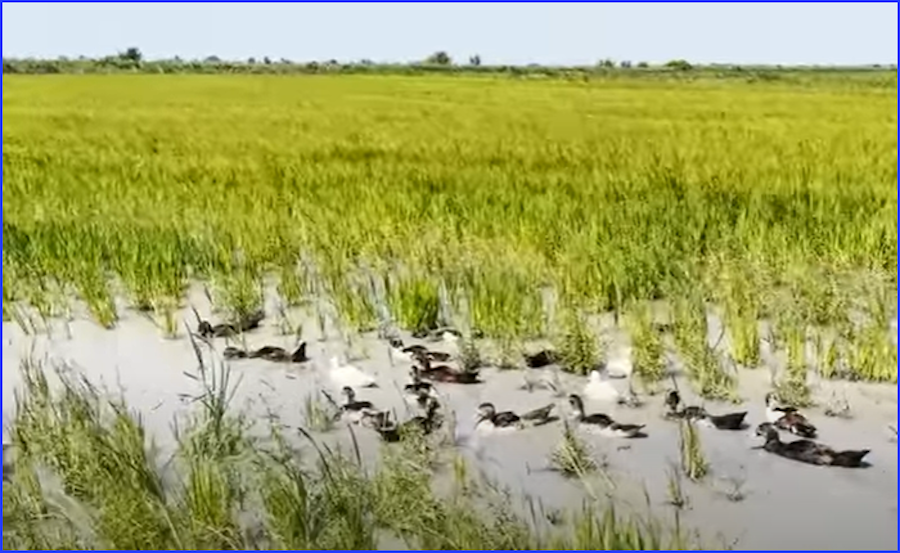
783 505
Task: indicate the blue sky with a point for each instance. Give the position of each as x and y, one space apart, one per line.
510 33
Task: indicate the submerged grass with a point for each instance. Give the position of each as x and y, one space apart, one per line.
87 475
606 190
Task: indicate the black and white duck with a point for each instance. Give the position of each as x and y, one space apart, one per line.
728 421
353 407
489 420
808 451
603 423
788 418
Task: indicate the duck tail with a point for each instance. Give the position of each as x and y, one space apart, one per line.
849 458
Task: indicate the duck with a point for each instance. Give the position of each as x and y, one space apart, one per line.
602 422
788 418
393 432
808 451
444 373
354 407
541 359
488 419
348 375
729 421
620 365
598 389
223 330
280 355
232 352
417 385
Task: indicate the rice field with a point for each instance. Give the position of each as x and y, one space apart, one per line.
726 227
764 201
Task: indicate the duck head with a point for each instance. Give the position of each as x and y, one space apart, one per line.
396 343
348 393
771 399
485 411
205 329
576 403
300 354
767 430
673 399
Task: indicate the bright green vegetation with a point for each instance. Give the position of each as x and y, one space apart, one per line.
769 200
85 475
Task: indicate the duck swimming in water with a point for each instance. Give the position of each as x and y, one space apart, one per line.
788 418
443 373
280 355
348 375
417 385
808 451
729 421
602 422
269 353
353 407
488 419
393 432
598 389
224 330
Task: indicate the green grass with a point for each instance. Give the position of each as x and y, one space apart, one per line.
752 194
86 475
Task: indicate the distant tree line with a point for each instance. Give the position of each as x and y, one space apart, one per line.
132 60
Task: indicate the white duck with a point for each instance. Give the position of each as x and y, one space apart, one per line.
619 364
598 389
348 375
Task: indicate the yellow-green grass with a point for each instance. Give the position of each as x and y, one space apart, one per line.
739 193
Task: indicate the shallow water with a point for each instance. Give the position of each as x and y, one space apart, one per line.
786 505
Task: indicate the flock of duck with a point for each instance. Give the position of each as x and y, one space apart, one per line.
429 367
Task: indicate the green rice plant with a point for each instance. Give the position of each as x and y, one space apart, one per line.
572 457
693 461
871 356
703 366
649 351
792 386
578 346
317 416
415 303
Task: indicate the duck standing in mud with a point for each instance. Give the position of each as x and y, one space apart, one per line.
602 422
788 418
489 420
808 451
728 421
